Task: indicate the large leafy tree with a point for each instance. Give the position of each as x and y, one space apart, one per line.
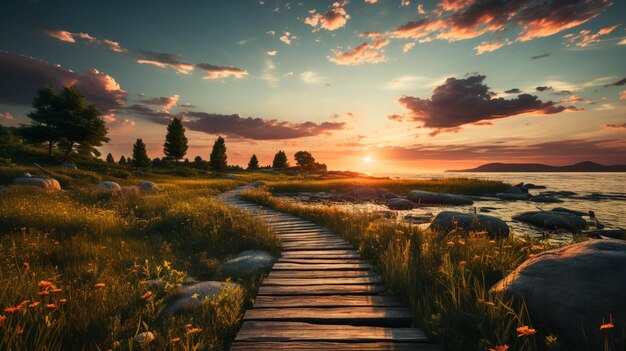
280 160
304 159
217 161
175 141
254 163
140 155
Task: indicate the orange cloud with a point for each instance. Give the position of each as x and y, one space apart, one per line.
62 35
332 19
364 53
487 46
218 72
585 38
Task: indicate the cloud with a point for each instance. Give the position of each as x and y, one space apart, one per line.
407 47
268 74
403 82
622 95
405 3
21 77
332 19
7 117
287 38
186 105
71 37
62 35
311 77
617 83
165 102
218 72
371 1
585 38
271 53
543 88
489 46
455 5
621 126
468 101
540 56
513 91
364 53
164 60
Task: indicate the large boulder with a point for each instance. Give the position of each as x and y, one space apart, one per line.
447 221
513 196
246 263
570 291
109 186
545 199
192 296
553 220
400 204
361 193
46 183
148 187
430 198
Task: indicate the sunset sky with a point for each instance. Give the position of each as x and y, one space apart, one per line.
408 85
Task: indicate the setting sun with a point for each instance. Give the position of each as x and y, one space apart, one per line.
367 159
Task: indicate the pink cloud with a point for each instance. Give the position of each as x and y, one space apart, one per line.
62 35
165 102
218 72
7 117
333 19
585 38
364 53
489 46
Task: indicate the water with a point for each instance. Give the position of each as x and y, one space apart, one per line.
609 202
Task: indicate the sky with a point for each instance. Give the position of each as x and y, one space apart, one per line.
378 86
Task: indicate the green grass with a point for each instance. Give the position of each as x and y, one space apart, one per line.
445 278
80 238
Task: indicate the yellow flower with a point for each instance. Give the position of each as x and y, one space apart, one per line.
175 340
100 285
193 331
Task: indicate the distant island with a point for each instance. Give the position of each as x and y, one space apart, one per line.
587 166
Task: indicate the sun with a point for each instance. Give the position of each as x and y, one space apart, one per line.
367 159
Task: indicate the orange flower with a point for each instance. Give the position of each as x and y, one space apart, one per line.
100 285
12 309
500 348
56 291
609 325
146 295
26 264
193 331
63 301
144 282
44 284
175 340
525 331
2 318
43 293
34 304
19 331
51 306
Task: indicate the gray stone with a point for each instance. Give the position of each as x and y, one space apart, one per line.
574 212
418 219
429 198
45 183
258 184
144 338
533 186
148 187
545 199
553 220
512 196
110 186
400 204
361 193
447 221
27 175
246 263
570 291
517 189
192 296
619 234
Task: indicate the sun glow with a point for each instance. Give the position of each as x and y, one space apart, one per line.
367 159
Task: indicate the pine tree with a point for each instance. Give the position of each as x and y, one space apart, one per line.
140 156
280 160
45 119
254 163
175 145
217 161
122 161
110 158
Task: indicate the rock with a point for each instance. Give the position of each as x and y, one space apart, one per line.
430 198
46 183
110 186
619 234
148 187
361 193
140 173
574 212
419 219
26 175
246 263
545 198
513 196
144 338
516 189
193 295
229 176
553 220
571 290
447 221
533 186
69 165
400 204
258 184
559 193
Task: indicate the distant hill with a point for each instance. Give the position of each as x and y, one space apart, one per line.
587 166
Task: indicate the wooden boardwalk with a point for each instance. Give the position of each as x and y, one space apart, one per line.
320 295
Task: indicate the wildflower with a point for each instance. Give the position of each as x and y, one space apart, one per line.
26 264
609 325
34 304
51 306
525 331
175 340
500 348
2 318
19 331
44 284
12 310
62 301
146 295
451 243
462 263
56 290
144 282
43 293
100 285
193 331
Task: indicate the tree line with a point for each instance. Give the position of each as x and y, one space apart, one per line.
66 122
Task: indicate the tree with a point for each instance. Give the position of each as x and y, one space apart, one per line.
140 156
199 163
45 120
304 159
110 158
254 163
122 161
217 161
175 145
280 160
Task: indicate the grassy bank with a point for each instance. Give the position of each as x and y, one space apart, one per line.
444 278
74 265
399 186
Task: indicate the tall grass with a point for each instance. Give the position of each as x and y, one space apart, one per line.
445 278
98 250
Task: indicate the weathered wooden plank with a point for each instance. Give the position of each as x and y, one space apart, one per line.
337 256
292 247
301 231
268 301
318 274
319 261
315 267
314 242
323 281
371 316
334 346
306 236
296 331
323 252
321 289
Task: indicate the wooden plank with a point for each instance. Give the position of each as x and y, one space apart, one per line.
314 267
334 346
323 252
301 231
323 281
307 236
313 241
321 290
318 274
371 316
337 256
292 247
268 301
296 331
319 261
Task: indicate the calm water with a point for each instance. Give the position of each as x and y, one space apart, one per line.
609 202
